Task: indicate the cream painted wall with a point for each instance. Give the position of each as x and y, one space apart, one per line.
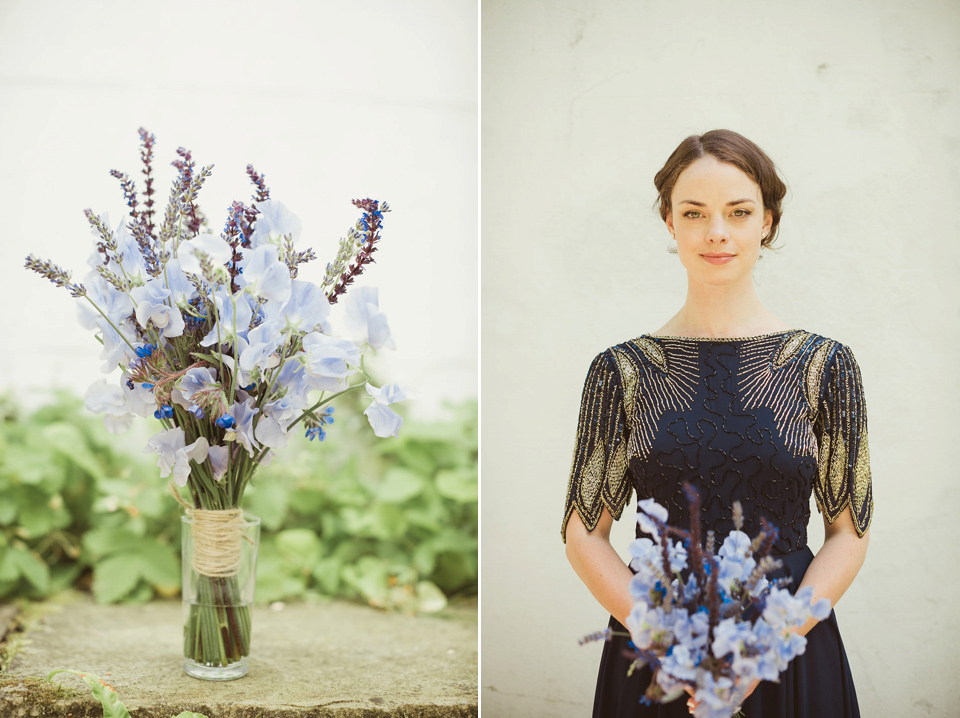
331 101
581 104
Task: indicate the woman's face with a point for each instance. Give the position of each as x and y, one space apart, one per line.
718 219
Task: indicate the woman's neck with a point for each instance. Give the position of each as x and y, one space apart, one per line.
722 311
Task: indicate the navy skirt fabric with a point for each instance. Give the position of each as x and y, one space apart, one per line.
816 684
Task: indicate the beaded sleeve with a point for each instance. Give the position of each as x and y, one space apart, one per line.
843 454
598 474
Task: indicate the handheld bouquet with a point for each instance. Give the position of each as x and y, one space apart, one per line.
215 337
706 624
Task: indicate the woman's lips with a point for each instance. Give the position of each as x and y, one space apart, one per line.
717 258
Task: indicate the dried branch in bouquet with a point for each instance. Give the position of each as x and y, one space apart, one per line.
189 187
107 246
365 235
57 275
263 192
233 235
147 141
129 192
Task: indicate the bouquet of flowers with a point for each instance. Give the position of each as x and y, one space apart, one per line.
216 338
710 625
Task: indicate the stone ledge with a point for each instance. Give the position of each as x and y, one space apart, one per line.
335 660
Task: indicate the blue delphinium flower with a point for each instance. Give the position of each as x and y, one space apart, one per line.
318 432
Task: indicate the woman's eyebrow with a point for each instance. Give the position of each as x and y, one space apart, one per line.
729 204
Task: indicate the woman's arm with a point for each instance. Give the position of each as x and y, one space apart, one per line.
598 564
837 562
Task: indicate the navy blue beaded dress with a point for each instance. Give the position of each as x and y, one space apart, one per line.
761 420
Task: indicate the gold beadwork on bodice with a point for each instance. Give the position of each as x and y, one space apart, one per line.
810 385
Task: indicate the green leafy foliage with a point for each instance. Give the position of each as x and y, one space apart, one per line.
392 523
113 707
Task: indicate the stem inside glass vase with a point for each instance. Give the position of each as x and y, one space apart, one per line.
219 562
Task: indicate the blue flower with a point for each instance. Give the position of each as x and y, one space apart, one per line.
225 422
316 432
164 412
146 350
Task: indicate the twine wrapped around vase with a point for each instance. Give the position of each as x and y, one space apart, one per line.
217 538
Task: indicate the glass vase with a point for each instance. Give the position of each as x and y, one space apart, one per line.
219 575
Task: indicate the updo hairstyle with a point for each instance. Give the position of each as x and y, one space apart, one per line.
726 146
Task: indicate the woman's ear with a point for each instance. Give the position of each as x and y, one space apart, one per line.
668 220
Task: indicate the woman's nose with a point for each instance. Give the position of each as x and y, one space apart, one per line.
717 230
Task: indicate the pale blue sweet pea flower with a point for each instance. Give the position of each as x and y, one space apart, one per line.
194 380
132 266
648 508
118 307
231 311
692 630
677 553
174 455
363 322
115 304
262 343
677 668
274 222
219 457
242 413
820 609
212 245
151 304
306 310
327 360
292 385
197 379
641 632
713 697
287 408
116 346
270 433
385 421
264 275
109 400
736 546
181 288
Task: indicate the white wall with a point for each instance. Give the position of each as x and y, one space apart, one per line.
330 101
582 103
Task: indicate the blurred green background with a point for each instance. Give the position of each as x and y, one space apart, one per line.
388 522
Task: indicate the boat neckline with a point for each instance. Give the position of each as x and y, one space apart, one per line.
766 335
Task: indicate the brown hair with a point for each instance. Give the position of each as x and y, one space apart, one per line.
726 146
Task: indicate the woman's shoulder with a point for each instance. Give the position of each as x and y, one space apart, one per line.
814 350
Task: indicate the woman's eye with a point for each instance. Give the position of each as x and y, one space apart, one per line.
691 214
741 213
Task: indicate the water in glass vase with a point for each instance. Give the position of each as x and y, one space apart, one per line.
219 576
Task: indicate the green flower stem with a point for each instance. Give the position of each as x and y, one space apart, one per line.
322 401
233 379
110 322
217 630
